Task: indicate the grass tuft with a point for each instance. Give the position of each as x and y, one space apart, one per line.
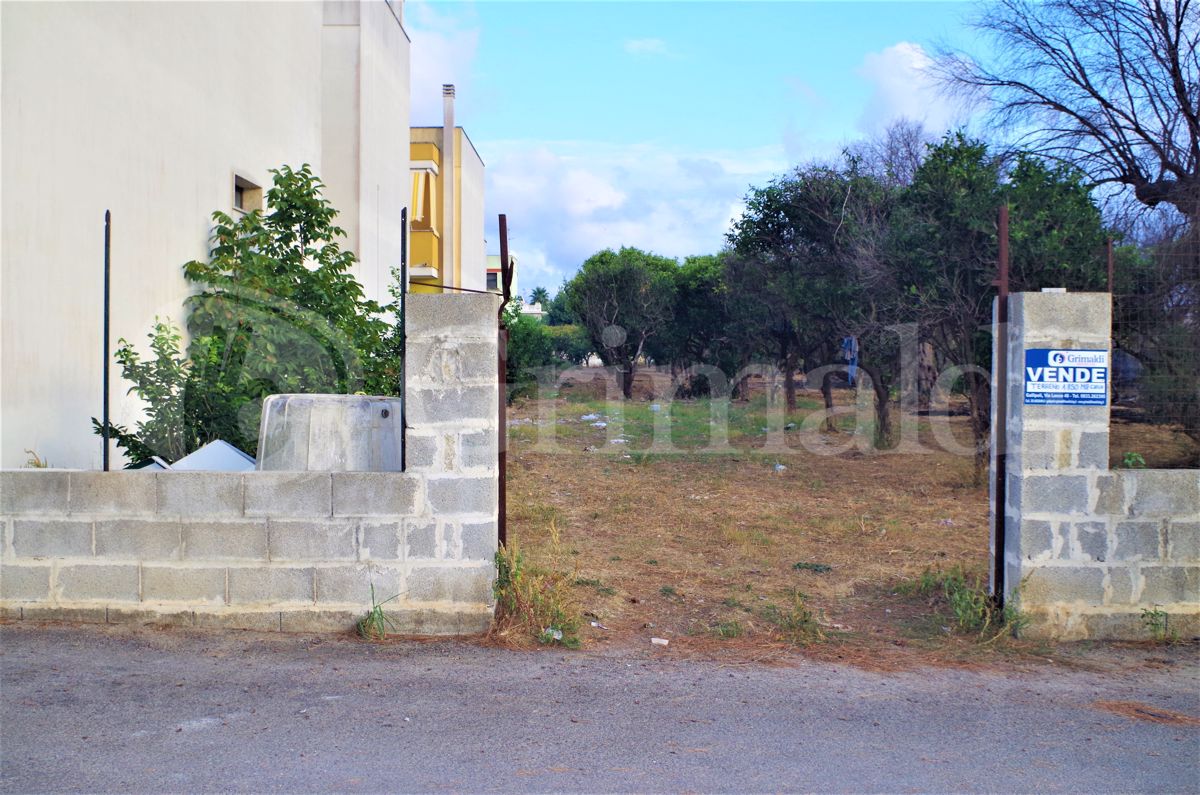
374 625
533 602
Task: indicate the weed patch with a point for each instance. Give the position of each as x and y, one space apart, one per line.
973 610
794 623
533 602
375 624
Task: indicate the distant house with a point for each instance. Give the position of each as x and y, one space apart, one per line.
162 113
495 284
447 246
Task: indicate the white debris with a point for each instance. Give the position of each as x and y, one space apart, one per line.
590 417
780 468
655 408
660 641
600 424
618 441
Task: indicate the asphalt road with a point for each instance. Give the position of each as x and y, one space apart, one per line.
106 709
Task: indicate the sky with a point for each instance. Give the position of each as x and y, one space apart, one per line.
603 124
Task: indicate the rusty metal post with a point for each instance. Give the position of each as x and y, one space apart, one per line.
1000 389
502 372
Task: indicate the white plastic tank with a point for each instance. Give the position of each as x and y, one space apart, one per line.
330 433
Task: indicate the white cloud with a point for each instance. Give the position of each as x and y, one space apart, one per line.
903 87
566 200
645 47
443 51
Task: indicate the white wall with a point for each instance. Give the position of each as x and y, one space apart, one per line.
470 241
147 109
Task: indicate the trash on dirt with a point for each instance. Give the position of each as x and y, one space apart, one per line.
600 424
655 407
946 523
551 632
589 449
660 641
791 426
618 441
590 417
598 625
780 468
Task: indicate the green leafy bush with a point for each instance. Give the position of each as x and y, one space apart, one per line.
277 310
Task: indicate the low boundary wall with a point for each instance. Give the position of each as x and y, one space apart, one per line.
291 551
1088 549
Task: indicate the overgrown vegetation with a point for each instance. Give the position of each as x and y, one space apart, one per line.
534 603
973 610
375 624
277 310
1157 623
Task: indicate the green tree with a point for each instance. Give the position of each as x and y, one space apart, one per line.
277 310
624 299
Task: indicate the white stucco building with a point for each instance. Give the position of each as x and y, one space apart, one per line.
162 113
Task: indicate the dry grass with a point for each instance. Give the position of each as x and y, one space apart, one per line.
703 548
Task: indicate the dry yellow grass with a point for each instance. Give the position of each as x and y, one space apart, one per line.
696 547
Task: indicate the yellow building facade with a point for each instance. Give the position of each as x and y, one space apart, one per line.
446 215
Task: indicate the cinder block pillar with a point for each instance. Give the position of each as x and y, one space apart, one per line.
1057 455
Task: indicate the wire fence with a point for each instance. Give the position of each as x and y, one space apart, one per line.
1156 359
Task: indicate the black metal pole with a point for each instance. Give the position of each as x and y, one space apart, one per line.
1001 388
104 362
1108 253
403 338
502 373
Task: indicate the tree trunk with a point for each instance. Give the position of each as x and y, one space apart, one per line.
627 380
883 418
827 393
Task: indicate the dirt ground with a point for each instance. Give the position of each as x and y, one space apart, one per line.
722 553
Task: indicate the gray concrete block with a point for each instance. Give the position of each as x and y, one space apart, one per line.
258 621
289 494
137 539
1110 494
480 449
1038 313
457 315
1120 586
151 618
440 622
1091 541
52 538
78 615
1093 450
1137 541
374 493
331 539
421 538
1055 494
38 491
113 583
450 584
450 361
174 584
1167 493
318 620
1036 450
451 404
270 585
24 583
421 452
1168 585
128 493
234 540
479 541
10 613
1066 416
454 495
352 584
202 495
1037 538
1046 585
380 540
1183 542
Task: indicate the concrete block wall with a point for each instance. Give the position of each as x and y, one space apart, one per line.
1087 549
291 551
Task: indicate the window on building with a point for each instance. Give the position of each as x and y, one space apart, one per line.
493 281
247 196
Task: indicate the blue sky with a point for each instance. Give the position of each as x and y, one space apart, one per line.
644 124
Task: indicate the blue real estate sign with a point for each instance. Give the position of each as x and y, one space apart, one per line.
1066 378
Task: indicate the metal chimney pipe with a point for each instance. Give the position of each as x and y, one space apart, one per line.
450 274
